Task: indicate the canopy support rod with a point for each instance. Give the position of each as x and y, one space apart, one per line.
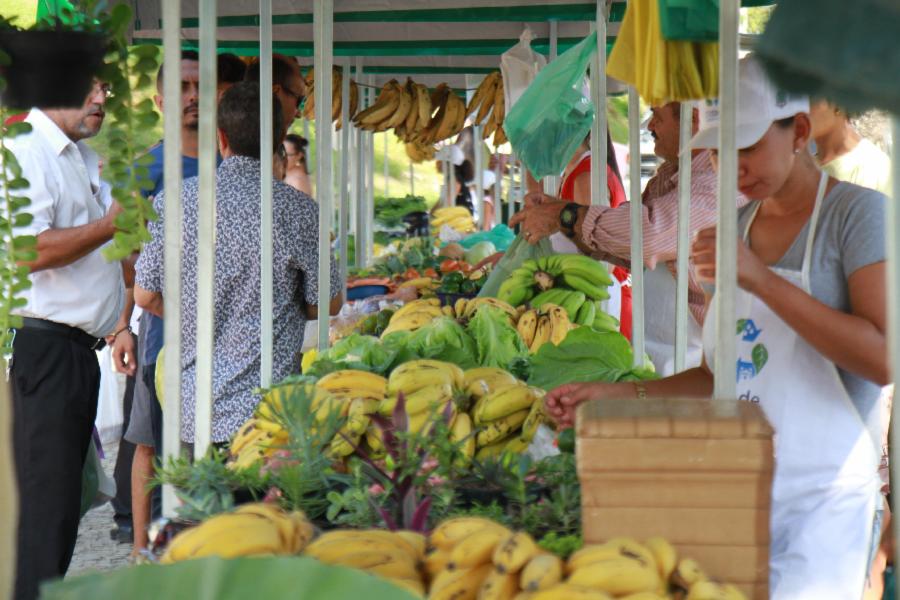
551 182
498 188
412 179
599 159
385 167
323 13
206 233
171 13
682 310
360 173
477 147
726 240
266 142
637 230
893 243
345 178
370 196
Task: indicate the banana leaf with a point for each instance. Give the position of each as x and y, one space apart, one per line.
235 579
585 355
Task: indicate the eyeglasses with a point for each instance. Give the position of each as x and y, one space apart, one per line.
299 97
103 88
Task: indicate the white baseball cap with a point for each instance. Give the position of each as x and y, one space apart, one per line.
760 104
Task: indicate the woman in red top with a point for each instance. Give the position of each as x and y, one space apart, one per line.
576 187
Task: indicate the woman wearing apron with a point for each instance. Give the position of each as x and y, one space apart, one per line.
811 344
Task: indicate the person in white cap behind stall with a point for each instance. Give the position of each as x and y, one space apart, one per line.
487 184
812 349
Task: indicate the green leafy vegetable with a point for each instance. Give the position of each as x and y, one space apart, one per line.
363 352
390 211
444 339
585 355
496 341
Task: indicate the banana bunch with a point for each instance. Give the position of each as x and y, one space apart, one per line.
251 530
506 419
548 324
474 557
552 279
337 99
353 395
422 284
416 375
389 110
413 315
392 555
457 217
449 118
255 441
465 308
489 100
418 151
419 117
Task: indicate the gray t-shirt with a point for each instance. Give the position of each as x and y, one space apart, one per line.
850 235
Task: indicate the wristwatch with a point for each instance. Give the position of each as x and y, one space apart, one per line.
568 216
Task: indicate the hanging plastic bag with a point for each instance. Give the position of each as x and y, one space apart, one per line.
689 20
519 66
553 117
97 488
517 253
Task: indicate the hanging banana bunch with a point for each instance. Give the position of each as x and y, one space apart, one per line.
337 81
491 104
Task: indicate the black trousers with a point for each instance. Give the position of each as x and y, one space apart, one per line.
55 386
122 474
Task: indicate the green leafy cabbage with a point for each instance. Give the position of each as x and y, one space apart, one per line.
497 343
443 339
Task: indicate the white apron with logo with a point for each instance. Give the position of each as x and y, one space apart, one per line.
659 323
825 489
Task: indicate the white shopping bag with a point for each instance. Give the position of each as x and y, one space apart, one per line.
110 415
519 66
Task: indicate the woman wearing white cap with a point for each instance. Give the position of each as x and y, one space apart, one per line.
811 344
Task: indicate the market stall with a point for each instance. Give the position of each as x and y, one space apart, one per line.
444 387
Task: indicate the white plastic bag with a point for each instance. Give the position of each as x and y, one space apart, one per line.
543 444
519 65
110 415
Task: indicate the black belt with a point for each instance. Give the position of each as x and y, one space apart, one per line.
79 336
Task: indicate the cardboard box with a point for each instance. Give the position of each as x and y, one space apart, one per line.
696 472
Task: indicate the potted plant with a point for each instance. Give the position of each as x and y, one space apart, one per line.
52 63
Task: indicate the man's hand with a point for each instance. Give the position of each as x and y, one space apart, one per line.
561 402
539 220
122 350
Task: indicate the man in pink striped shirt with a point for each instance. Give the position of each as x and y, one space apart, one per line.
605 233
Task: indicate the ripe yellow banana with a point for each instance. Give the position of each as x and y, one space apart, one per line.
535 417
459 584
384 106
527 326
414 375
559 325
617 576
687 573
568 591
504 402
409 322
707 590
332 543
423 105
500 136
499 111
403 109
461 433
481 381
362 383
483 98
664 555
429 400
452 531
514 552
516 445
417 305
295 529
477 548
336 97
415 586
500 429
412 115
499 586
435 562
417 541
543 571
477 303
227 535
344 443
541 334
645 596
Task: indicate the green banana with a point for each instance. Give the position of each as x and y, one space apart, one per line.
577 282
605 322
551 296
553 264
572 303
586 267
586 313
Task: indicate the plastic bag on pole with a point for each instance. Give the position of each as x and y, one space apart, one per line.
517 253
519 66
552 117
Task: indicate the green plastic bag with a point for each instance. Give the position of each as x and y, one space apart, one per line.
552 117
517 253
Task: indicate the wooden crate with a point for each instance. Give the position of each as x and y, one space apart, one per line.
696 472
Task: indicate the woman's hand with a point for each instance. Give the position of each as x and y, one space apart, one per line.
561 402
539 218
752 273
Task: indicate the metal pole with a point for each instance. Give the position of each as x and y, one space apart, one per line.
498 190
551 182
726 242
599 158
637 230
323 13
266 142
344 222
171 13
370 196
384 163
309 156
206 234
479 176
893 265
450 178
412 179
360 135
682 311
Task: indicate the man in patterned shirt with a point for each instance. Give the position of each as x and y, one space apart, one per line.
237 355
605 234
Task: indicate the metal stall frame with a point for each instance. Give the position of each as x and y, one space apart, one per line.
266 141
322 34
682 309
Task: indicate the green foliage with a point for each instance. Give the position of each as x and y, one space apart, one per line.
14 249
561 545
126 70
390 211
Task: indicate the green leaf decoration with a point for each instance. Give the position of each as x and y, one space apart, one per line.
740 325
760 356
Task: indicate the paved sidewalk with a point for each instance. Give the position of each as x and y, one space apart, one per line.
94 550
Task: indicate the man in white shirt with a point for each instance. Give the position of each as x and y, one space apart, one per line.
76 300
